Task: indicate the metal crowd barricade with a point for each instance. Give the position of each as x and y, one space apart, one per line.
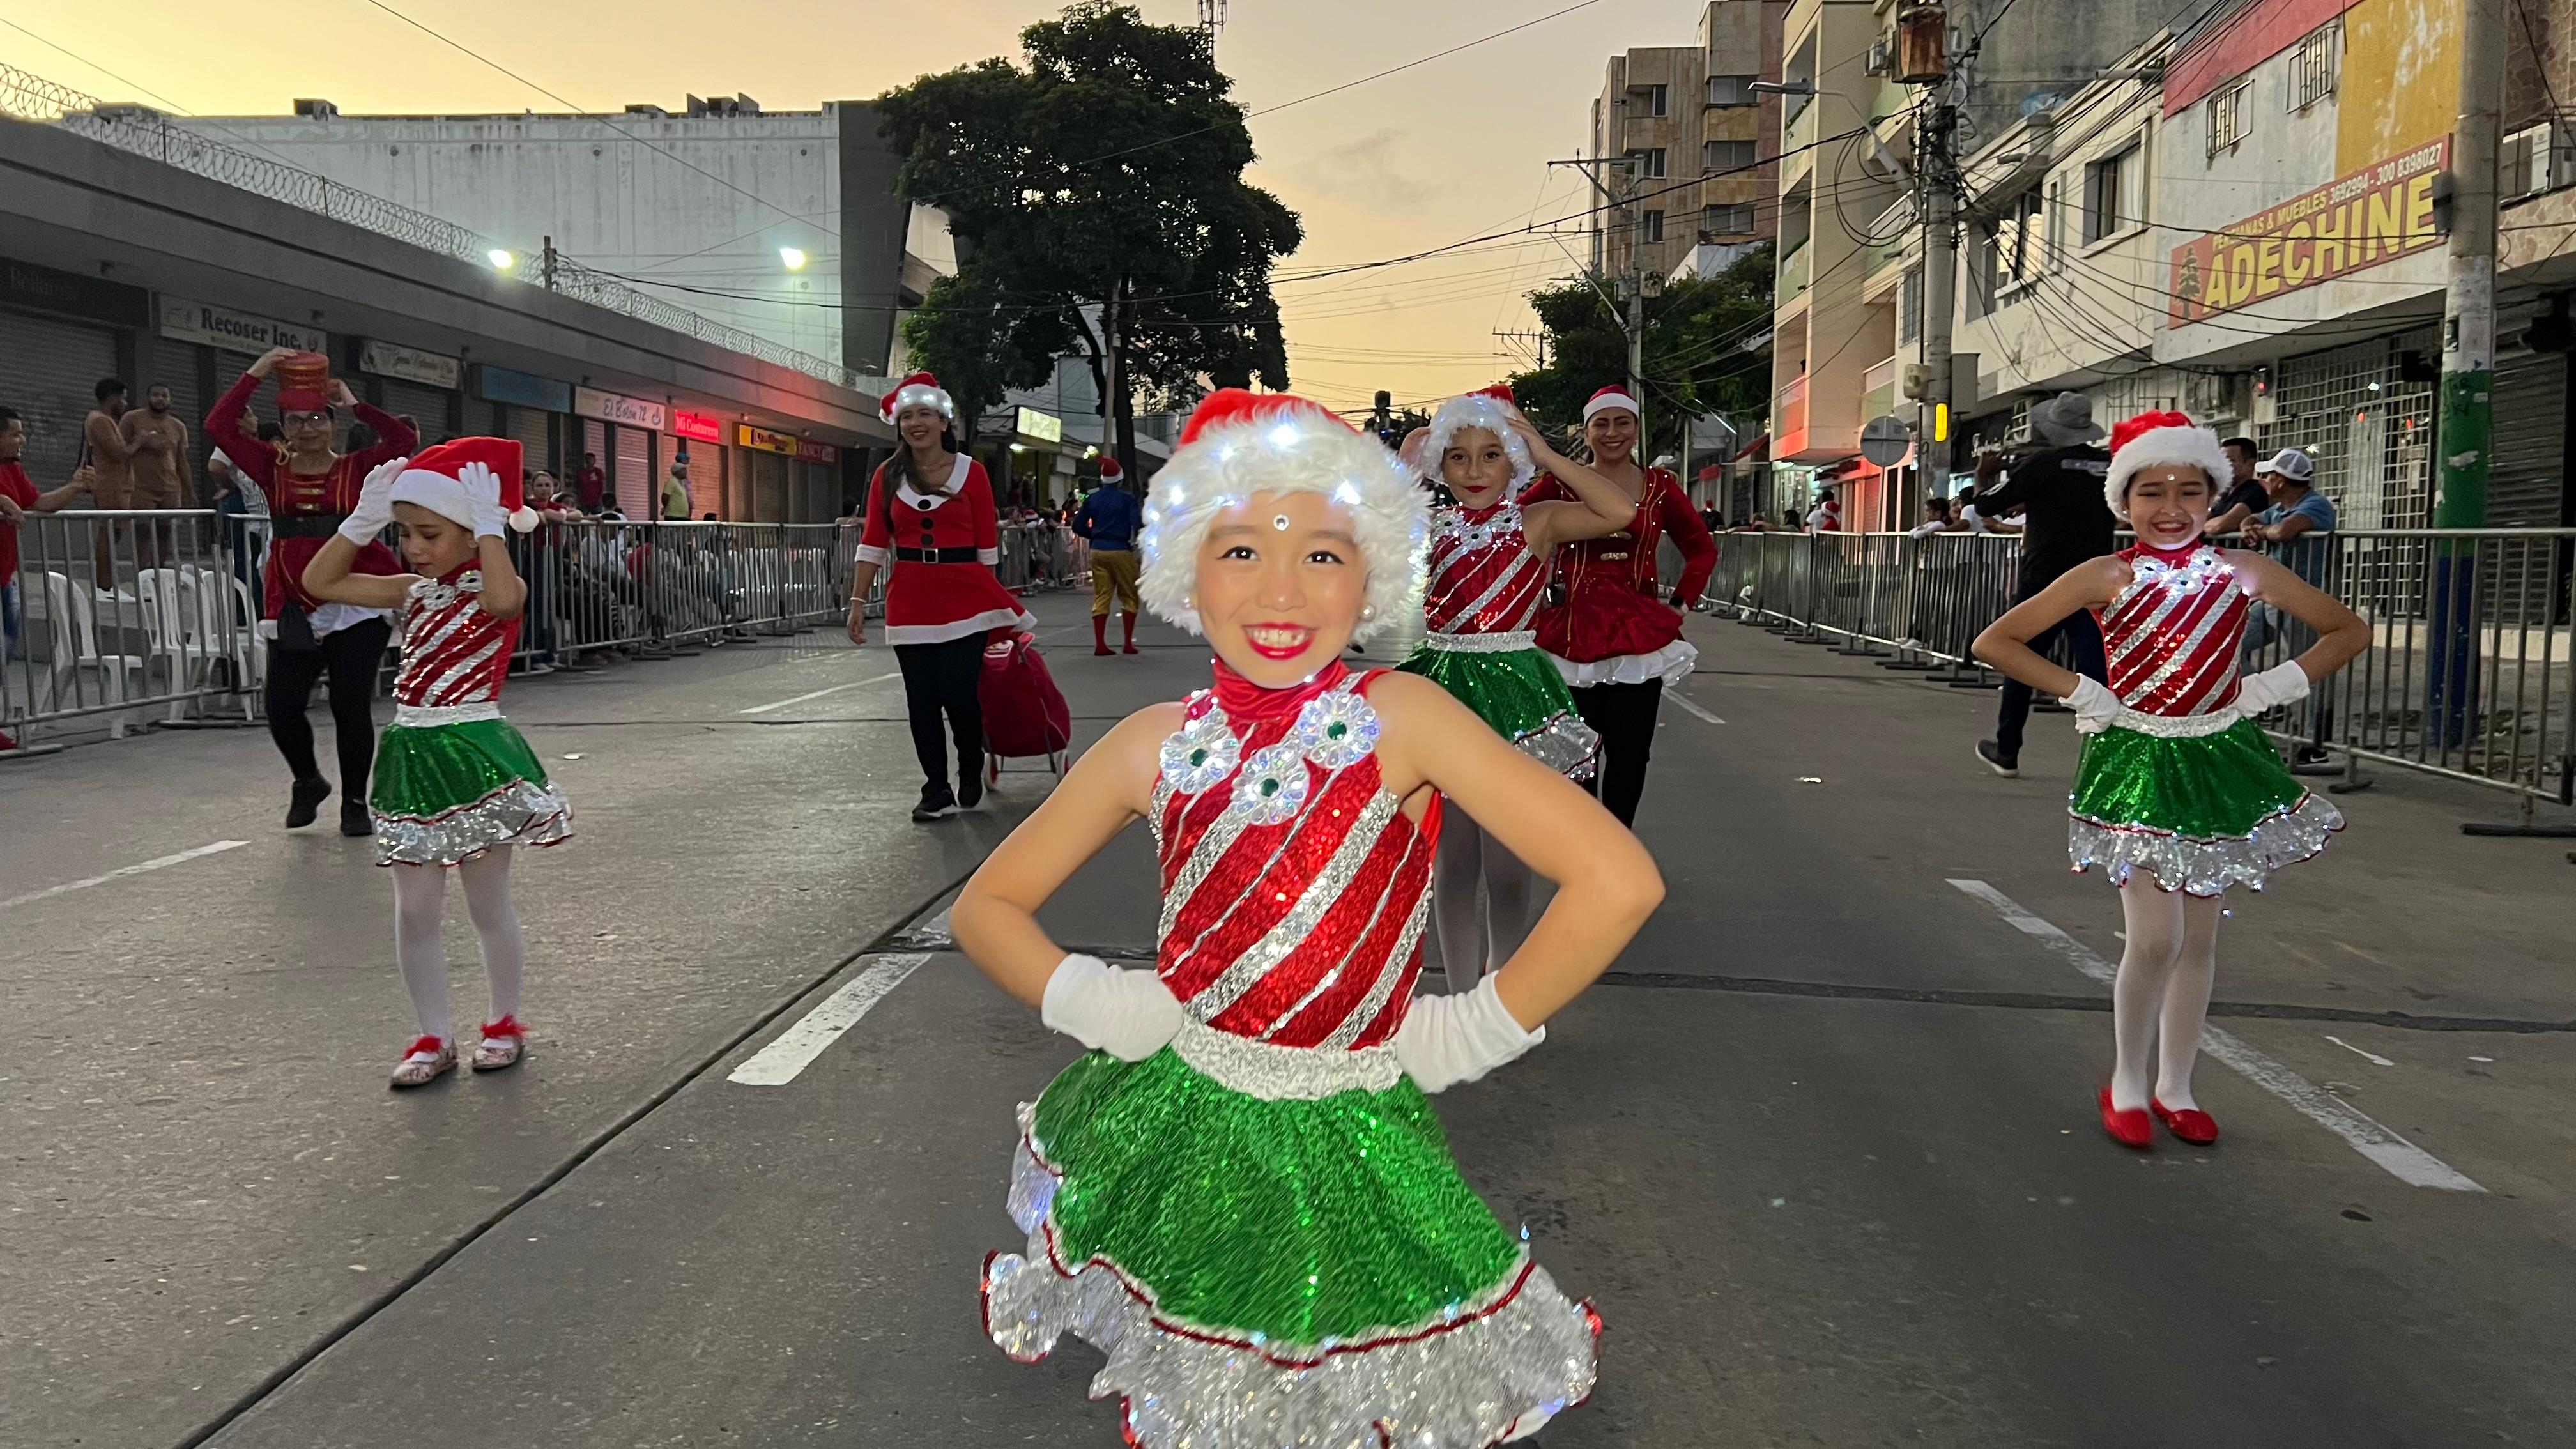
659 588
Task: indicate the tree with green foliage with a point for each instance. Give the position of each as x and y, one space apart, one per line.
1097 197
1707 351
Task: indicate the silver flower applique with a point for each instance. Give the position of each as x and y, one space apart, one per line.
1201 753
1336 730
1273 784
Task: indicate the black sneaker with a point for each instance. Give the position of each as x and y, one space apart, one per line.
306 802
2309 757
970 787
2008 766
354 819
936 803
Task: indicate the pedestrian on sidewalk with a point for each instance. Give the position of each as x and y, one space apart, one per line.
2179 796
310 489
1241 1194
590 483
1615 633
18 498
459 787
2293 528
931 516
2059 490
1488 569
1108 521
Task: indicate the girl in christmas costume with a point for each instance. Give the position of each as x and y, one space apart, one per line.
1488 566
2179 795
1241 1194
456 787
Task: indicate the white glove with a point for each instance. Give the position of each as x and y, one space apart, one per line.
1126 1012
483 487
2279 685
1446 1040
375 511
2094 704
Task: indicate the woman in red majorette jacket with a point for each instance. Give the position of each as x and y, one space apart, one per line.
930 515
1616 635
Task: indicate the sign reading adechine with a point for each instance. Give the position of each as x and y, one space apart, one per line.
2377 214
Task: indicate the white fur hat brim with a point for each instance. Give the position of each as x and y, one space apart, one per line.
2166 447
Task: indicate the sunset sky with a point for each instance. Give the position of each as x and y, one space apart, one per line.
1453 149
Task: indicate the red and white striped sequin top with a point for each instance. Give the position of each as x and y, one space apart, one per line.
454 654
2173 634
1484 578
1294 887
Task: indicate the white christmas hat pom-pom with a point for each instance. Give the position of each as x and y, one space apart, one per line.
523 519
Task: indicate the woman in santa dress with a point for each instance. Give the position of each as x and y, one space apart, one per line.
930 515
1616 636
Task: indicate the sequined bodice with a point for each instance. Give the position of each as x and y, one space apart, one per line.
2172 636
1294 887
452 651
1484 578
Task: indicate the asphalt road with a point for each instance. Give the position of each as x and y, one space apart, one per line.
1821 1149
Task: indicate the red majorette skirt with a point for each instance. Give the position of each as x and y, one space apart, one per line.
932 603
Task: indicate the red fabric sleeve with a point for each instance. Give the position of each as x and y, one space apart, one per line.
979 497
1690 535
877 534
256 460
393 440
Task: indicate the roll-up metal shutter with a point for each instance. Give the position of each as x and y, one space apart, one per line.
707 480
2529 474
47 370
534 428
769 487
426 406
738 490
630 473
174 366
229 367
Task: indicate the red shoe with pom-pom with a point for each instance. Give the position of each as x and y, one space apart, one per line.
425 1061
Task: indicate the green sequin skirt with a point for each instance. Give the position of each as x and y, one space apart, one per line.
2198 814
1522 695
447 793
1276 1272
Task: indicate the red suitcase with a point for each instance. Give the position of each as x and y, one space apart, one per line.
1024 713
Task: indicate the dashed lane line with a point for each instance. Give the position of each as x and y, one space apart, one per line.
778 1063
217 848
2404 1160
817 694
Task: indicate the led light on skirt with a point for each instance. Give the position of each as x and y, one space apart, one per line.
1238 444
1490 409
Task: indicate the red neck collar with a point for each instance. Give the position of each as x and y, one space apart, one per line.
1246 701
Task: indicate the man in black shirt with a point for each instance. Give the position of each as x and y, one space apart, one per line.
2245 495
2065 521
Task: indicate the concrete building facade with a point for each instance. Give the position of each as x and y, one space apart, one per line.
1681 140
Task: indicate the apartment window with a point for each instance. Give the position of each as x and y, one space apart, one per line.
1727 155
1727 219
1732 90
1649 163
2015 252
2111 195
1653 229
1656 101
2230 114
1909 306
2315 62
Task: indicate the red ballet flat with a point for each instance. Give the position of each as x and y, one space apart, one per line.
2130 1128
2191 1124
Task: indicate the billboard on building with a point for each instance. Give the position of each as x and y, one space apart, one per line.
2376 214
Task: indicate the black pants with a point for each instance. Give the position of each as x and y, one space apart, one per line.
351 657
1624 716
2083 638
942 680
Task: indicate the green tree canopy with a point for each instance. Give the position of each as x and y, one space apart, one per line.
1707 350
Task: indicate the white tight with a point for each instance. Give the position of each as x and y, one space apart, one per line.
1476 936
420 948
2161 995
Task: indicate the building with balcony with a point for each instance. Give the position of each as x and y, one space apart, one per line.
1680 142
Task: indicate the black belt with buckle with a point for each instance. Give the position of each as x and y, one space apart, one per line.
939 555
308 525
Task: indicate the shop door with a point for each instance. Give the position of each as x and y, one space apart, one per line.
631 474
47 371
534 428
2528 477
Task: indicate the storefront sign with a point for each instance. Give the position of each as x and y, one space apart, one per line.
24 284
186 321
765 440
812 452
1046 426
385 359
608 407
696 425
2377 214
500 384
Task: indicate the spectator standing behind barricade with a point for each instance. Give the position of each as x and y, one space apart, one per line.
1108 521
109 455
2059 490
18 498
310 492
931 516
590 483
1936 518
1827 515
244 509
159 469
675 490
2244 495
2293 531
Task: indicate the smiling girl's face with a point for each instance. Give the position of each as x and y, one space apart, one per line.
1280 586
1475 467
2168 505
432 543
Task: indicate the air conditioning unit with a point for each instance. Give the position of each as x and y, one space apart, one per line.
2536 159
1882 56
2209 396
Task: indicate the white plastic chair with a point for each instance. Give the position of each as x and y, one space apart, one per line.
75 648
168 633
206 596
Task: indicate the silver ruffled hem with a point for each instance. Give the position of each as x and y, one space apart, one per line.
2204 867
519 813
1564 744
1475 1377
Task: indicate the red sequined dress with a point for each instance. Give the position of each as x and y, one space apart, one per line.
2183 786
942 548
1614 623
1484 591
1261 1225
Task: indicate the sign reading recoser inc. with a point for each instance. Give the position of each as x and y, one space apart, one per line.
186 321
385 359
633 412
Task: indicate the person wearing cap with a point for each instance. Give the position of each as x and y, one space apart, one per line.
931 518
310 487
2293 530
459 787
2064 522
1615 633
1108 522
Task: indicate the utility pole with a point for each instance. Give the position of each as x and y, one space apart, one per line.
1921 41
2464 430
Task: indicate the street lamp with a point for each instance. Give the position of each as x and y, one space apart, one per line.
794 259
502 260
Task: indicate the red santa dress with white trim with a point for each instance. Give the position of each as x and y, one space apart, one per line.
942 549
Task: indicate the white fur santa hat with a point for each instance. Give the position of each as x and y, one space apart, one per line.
1487 408
1613 396
2159 440
1238 444
450 478
920 390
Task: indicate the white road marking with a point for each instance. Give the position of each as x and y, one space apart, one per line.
217 848
2404 1160
777 1064
1688 703
817 694
2374 1058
